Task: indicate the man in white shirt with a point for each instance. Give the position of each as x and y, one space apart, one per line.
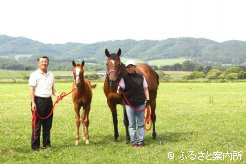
41 84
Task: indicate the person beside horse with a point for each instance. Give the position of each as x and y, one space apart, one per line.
134 88
115 71
42 88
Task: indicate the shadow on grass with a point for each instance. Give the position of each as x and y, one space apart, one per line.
102 140
171 137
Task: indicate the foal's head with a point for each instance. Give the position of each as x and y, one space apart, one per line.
113 64
78 72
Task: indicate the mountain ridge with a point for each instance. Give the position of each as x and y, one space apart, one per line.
199 50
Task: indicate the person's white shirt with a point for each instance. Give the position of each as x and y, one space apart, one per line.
42 82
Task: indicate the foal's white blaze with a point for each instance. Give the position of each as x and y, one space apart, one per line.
77 70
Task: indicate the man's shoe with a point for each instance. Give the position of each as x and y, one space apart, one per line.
134 145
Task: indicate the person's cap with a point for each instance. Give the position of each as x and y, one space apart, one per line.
130 62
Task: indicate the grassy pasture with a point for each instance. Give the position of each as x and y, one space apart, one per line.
164 62
199 117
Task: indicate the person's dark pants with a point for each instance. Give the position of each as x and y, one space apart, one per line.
44 107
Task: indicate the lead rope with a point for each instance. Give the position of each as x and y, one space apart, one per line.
36 114
147 119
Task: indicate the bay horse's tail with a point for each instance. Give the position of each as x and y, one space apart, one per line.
157 78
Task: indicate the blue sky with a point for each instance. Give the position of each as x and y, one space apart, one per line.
89 21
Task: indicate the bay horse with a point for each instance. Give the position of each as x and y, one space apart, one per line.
115 71
82 96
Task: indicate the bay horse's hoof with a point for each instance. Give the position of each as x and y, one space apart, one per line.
87 141
127 139
154 136
76 142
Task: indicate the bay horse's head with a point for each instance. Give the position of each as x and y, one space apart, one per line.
78 72
113 65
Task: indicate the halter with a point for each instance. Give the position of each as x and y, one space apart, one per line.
111 81
112 70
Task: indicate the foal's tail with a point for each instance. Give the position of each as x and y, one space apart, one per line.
92 85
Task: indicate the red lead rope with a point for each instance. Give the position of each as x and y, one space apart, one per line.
35 112
147 119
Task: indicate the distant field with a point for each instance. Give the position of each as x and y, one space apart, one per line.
192 118
159 63
166 61
175 75
22 55
13 74
22 76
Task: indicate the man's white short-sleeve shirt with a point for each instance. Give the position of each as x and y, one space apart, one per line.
42 83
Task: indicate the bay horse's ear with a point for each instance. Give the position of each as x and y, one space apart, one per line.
73 63
119 52
107 53
83 63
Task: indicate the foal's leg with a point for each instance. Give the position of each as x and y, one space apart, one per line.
82 122
86 124
77 123
153 116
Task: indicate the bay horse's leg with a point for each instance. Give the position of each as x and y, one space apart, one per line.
86 124
115 121
77 123
153 116
126 123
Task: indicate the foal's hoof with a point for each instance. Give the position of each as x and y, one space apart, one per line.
76 142
84 138
87 141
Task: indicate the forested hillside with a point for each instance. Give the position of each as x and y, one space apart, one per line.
24 51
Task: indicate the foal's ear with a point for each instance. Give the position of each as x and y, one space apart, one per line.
73 63
83 63
119 52
107 53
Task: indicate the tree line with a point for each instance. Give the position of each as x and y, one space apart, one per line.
211 72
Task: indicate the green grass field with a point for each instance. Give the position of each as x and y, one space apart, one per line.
199 117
